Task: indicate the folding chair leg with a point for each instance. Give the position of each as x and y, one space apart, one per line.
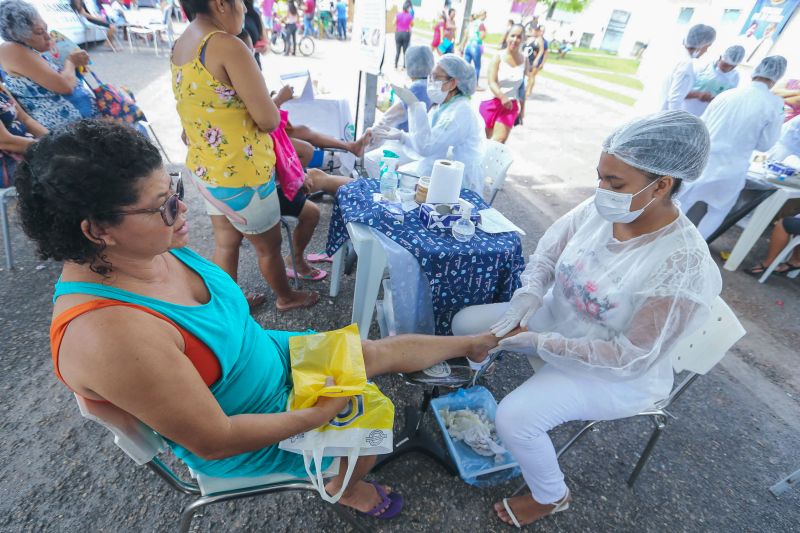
295 281
660 423
6 233
158 142
189 511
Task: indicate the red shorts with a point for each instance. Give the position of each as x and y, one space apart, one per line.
493 111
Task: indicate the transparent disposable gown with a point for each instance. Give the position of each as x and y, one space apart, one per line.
614 309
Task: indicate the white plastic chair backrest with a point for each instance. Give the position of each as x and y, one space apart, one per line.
706 347
134 437
497 159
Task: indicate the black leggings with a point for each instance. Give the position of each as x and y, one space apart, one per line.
401 39
291 37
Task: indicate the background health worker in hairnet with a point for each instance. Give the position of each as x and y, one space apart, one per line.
739 121
611 288
451 121
419 63
676 86
716 78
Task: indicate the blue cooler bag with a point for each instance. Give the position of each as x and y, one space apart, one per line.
477 470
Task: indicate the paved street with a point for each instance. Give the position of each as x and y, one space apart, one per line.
736 430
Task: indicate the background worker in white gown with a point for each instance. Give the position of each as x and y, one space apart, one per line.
611 288
675 86
451 121
739 121
716 78
789 142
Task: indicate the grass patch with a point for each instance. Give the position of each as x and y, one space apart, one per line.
618 79
611 95
420 24
610 63
594 51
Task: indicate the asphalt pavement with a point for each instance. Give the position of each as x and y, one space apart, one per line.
735 433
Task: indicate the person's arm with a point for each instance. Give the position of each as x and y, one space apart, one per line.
28 64
427 141
132 360
13 143
771 132
680 85
394 115
31 125
494 85
246 79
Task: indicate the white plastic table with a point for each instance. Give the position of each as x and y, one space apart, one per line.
760 220
369 273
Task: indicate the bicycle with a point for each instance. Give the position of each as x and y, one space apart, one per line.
278 43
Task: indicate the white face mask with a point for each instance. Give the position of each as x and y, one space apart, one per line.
616 206
435 92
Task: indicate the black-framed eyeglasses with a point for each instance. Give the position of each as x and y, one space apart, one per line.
169 209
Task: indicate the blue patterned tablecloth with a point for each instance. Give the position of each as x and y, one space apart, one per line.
484 270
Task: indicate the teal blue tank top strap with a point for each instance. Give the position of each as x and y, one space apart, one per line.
210 322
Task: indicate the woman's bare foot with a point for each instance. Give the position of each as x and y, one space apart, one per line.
481 346
297 300
357 147
300 265
362 496
525 508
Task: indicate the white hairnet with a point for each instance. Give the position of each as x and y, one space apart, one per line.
463 72
771 67
419 61
733 55
668 143
699 35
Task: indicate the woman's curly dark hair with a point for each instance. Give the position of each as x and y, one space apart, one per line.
87 170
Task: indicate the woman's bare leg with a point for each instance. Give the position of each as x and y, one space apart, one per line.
304 150
320 140
501 132
328 183
777 242
301 236
227 241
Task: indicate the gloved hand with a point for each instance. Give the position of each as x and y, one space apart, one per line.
522 308
386 133
525 343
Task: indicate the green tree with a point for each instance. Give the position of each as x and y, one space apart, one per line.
573 6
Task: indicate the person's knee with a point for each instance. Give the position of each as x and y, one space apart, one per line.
515 420
267 243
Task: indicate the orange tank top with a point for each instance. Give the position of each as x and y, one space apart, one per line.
199 354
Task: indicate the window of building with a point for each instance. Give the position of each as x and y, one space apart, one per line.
685 15
731 16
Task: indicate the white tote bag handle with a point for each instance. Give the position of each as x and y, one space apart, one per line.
317 480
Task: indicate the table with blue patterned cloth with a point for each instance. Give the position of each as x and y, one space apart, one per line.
484 270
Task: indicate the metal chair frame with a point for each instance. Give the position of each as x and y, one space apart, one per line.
6 195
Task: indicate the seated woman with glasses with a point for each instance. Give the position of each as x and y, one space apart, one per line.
143 322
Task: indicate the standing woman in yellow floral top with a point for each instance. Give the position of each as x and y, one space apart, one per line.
227 114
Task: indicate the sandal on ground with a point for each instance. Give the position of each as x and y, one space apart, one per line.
560 505
786 268
319 258
758 269
315 274
390 506
255 300
310 300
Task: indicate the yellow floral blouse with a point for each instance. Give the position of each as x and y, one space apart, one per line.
226 148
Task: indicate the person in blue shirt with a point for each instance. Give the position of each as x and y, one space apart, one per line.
341 19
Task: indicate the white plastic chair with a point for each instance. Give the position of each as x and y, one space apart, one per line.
151 29
783 256
696 354
6 195
497 160
143 445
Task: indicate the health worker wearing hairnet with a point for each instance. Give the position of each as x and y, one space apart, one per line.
739 121
419 63
681 78
451 121
717 77
612 287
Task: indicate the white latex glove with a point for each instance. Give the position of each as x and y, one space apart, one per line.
525 343
522 309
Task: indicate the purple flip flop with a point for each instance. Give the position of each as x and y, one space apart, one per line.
390 506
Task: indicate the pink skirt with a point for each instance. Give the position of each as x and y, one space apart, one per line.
493 111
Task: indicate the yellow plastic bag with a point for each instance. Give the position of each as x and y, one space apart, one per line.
363 427
316 357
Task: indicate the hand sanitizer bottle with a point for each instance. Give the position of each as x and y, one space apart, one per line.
464 229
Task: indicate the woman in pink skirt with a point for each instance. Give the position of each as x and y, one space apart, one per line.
506 75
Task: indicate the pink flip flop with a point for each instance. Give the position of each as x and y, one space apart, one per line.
319 258
316 274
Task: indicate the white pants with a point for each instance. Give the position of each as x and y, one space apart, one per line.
547 399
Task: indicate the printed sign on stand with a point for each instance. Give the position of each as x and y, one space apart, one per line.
369 34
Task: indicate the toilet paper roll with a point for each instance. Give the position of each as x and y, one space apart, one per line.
445 187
